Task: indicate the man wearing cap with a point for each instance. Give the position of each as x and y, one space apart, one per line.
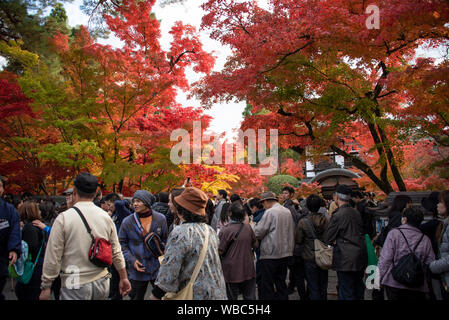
10 237
143 266
68 247
345 233
68 197
276 234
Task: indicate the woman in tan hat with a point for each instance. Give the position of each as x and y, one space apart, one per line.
183 250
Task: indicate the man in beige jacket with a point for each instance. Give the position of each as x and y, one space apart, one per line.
68 247
276 234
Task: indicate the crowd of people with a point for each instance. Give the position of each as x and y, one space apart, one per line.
221 247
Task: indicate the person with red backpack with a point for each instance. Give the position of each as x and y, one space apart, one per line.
70 251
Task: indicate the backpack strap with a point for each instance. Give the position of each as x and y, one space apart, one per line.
84 221
40 250
232 241
311 228
408 245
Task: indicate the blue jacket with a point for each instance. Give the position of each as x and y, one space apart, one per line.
256 218
120 213
133 247
10 235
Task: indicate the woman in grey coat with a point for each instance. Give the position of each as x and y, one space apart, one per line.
441 265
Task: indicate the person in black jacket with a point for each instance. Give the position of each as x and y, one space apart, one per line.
161 206
350 259
36 239
433 229
297 275
394 214
118 210
361 203
10 238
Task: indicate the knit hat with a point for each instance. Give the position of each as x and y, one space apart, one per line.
193 200
146 197
86 182
344 192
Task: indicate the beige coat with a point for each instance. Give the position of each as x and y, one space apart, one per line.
69 243
276 232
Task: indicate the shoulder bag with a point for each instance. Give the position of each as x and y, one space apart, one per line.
232 242
152 240
323 253
100 252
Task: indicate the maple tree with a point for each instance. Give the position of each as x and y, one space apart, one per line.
314 70
111 110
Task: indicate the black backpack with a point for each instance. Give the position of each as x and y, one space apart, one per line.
409 271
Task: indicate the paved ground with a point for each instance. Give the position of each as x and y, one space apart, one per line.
332 290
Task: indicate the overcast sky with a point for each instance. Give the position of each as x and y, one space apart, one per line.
226 117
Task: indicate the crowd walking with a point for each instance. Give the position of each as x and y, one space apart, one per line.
183 244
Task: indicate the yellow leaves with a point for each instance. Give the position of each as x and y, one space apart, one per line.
13 50
221 180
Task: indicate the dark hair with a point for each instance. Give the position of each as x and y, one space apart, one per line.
85 195
163 197
247 209
235 197
289 189
237 212
255 202
444 197
48 210
26 195
176 192
399 203
155 198
3 181
190 216
314 203
225 210
223 193
357 194
414 215
113 197
102 200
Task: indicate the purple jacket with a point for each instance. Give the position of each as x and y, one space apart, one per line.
395 248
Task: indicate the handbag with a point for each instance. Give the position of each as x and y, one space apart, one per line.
187 292
323 253
100 252
28 267
16 270
152 240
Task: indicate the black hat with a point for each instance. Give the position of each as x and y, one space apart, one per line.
85 182
344 189
431 202
343 192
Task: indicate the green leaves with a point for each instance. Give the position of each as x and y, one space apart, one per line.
78 155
